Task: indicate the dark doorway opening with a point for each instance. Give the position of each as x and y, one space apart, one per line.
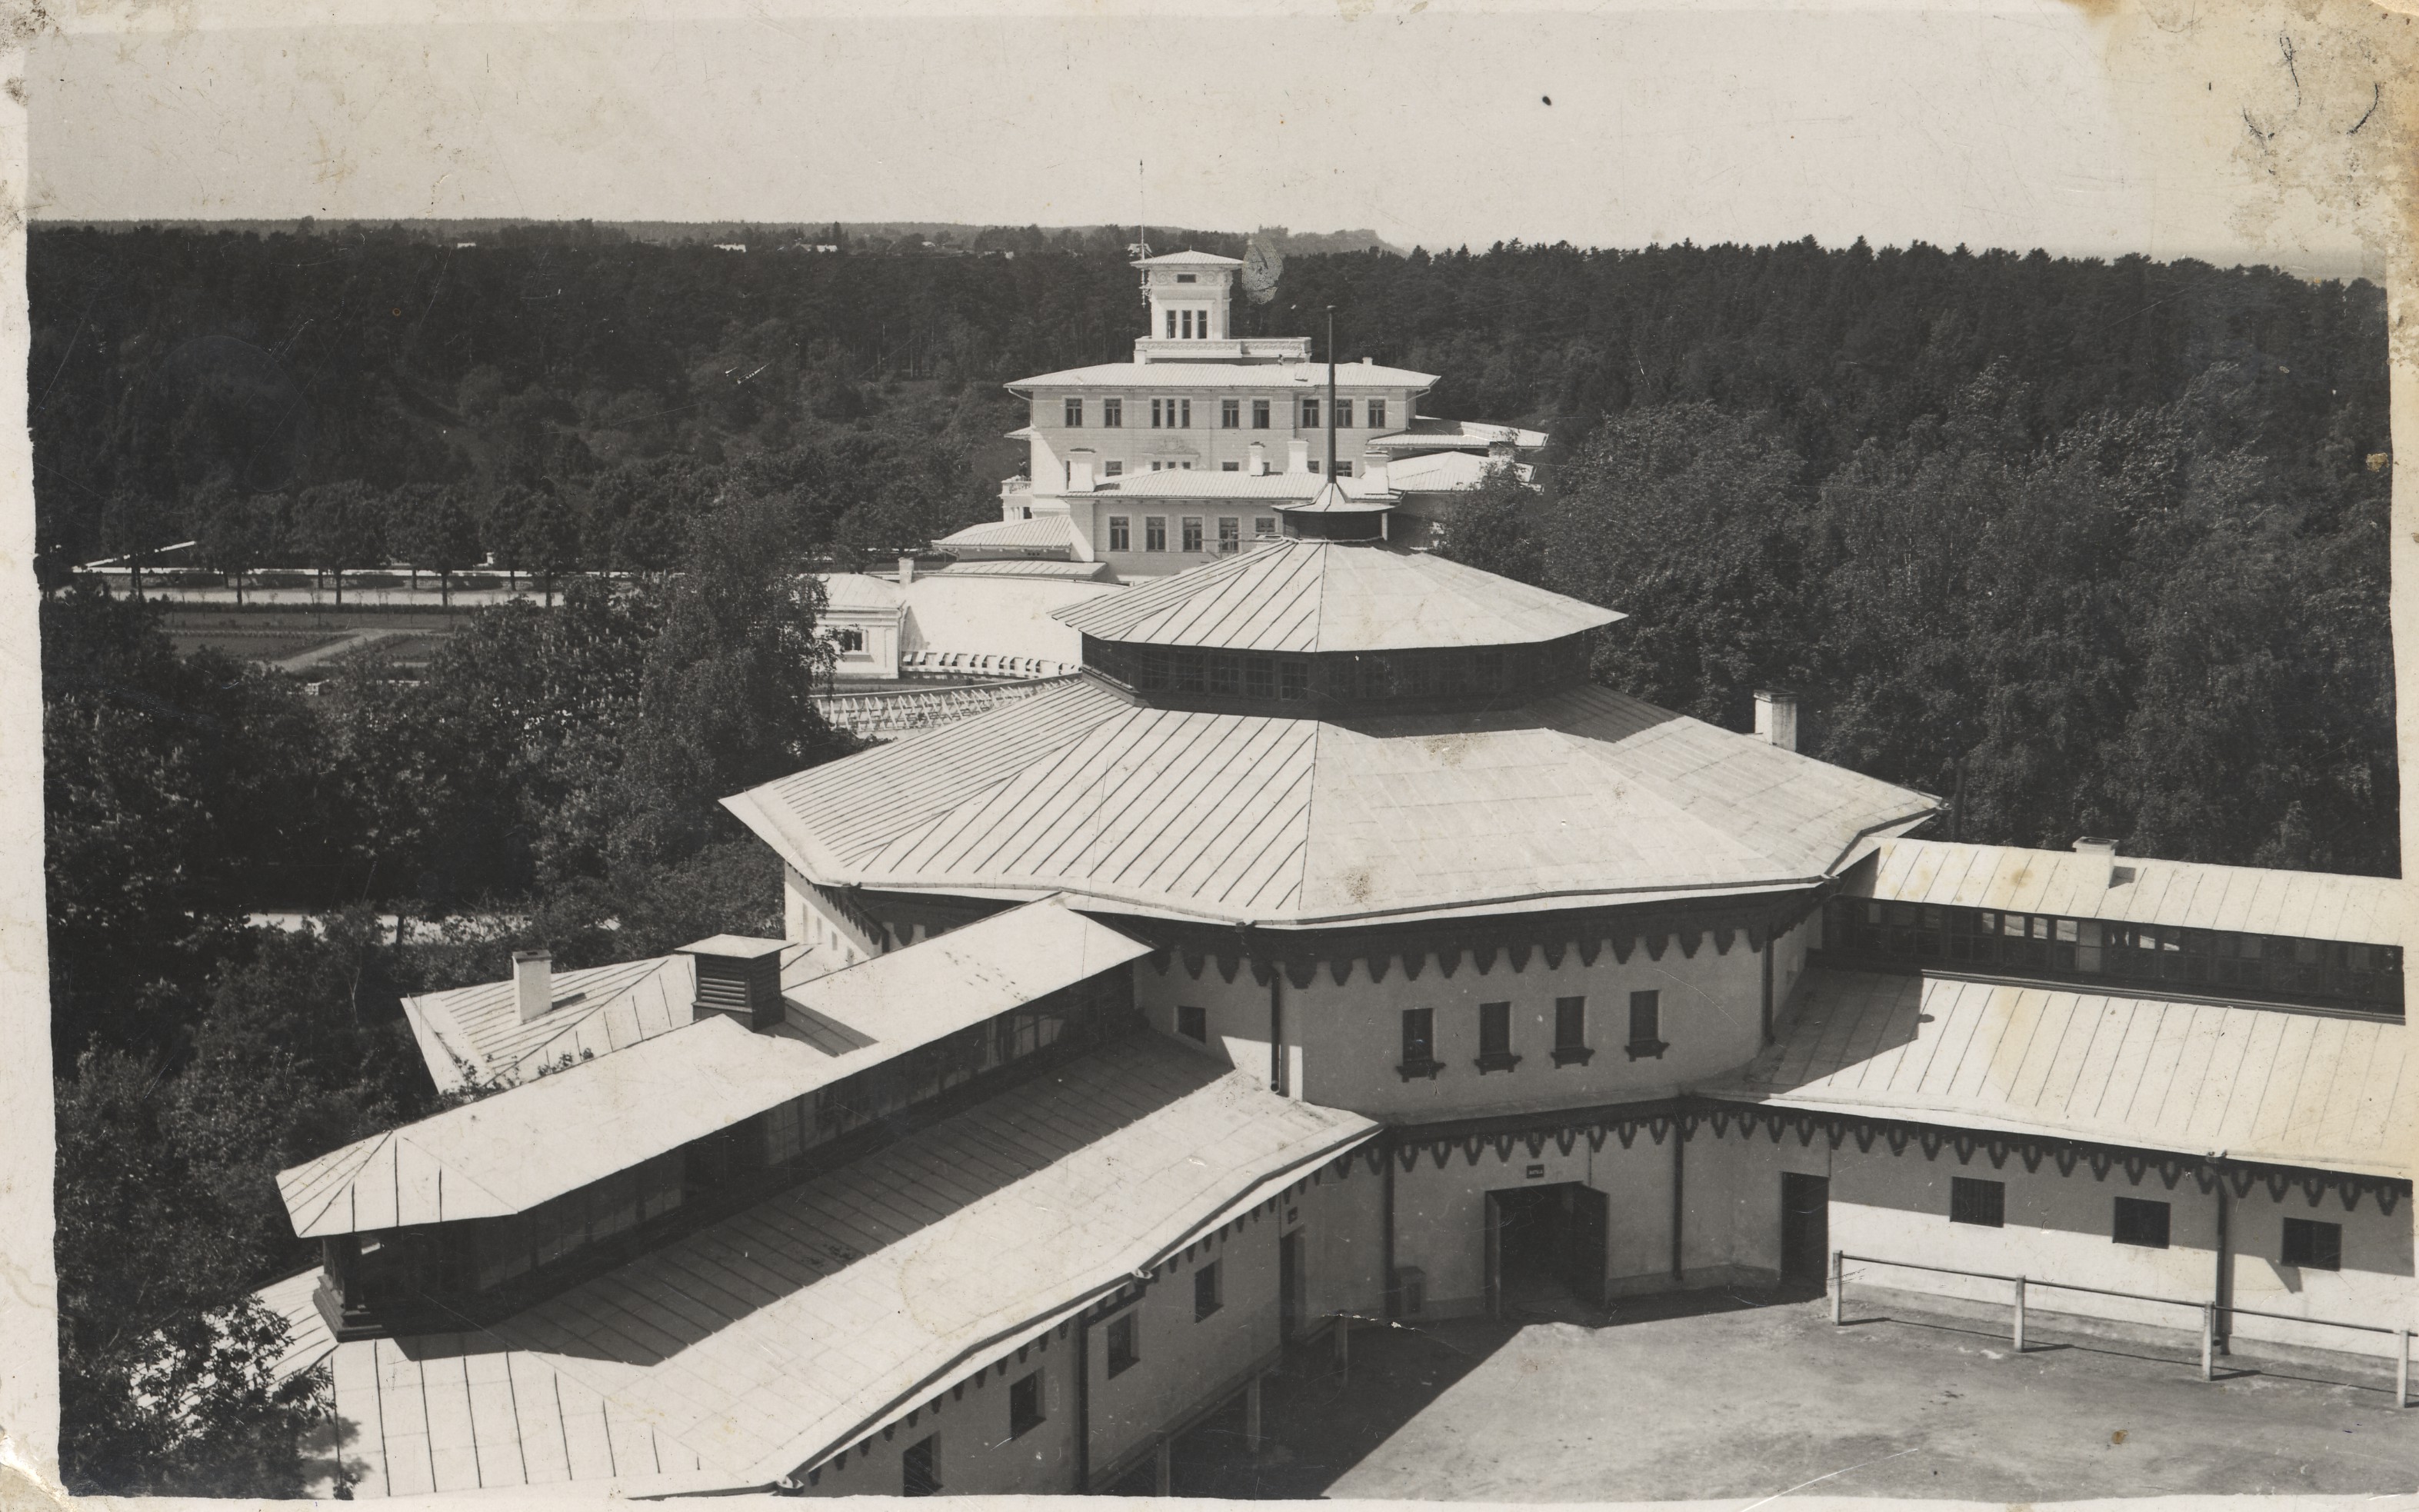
1289 1287
1805 1229
1545 1248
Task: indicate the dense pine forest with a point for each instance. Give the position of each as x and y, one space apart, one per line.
2083 547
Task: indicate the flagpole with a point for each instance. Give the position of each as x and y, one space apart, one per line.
1331 393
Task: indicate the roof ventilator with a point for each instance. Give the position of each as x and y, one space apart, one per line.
739 976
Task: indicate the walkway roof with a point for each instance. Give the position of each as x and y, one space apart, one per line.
768 1342
2138 890
2254 1084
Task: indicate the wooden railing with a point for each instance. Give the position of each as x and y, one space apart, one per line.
2208 1312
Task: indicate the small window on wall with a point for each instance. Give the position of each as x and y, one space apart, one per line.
920 1467
1230 467
1192 533
2313 1245
1495 1038
1260 414
1570 1033
1230 535
1343 414
1154 532
1113 412
1193 1023
1074 413
1264 527
1207 1298
1310 414
1419 1044
1120 533
2141 1222
1983 1204
1113 469
1230 414
1024 1405
1123 1354
1376 414
850 640
1646 1025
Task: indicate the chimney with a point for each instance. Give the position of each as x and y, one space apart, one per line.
906 571
1297 455
1776 718
1079 471
534 983
2105 851
1259 463
738 975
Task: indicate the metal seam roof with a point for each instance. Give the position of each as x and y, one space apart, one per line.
2322 1091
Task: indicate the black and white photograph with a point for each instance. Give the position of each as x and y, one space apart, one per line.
1377 751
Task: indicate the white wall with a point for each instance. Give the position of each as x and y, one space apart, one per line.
975 1453
998 616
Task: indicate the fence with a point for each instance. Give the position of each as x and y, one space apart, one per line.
2208 1311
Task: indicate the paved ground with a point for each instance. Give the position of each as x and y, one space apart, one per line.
1752 1400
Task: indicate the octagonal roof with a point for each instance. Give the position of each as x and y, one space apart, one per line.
1312 595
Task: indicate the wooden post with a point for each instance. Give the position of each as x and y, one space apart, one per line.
1839 1284
1250 1417
2209 1341
2020 1314
2402 1368
1162 1467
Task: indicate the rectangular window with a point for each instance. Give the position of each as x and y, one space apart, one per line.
1171 325
1074 413
1293 681
1158 412
1182 416
1983 1204
1120 533
1259 677
1113 469
1024 1405
1230 536
1113 412
2141 1222
1184 670
1646 1025
1191 532
1376 414
1343 414
920 1467
1495 1038
2313 1245
1230 414
1154 532
1225 674
1206 1299
1344 469
1264 528
1419 1042
1230 467
1193 1023
1570 1033
1186 324
1316 464
1260 414
1123 1355
1310 414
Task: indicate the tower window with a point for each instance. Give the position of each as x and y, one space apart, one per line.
1187 278
1120 533
1113 412
1260 414
1230 414
1074 413
1171 325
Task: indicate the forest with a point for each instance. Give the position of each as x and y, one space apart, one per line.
2081 547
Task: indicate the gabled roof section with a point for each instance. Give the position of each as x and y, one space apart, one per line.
2132 889
1446 471
1308 595
529 1143
708 1365
2261 1085
1587 797
1426 433
1188 258
1042 531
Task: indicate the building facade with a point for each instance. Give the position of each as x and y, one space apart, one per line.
1189 453
1331 948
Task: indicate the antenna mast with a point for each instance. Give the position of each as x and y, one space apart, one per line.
1331 398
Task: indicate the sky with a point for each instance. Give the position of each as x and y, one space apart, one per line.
2083 129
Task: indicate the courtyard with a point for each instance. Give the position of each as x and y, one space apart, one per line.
1743 1395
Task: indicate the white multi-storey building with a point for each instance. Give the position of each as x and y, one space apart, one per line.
1191 451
